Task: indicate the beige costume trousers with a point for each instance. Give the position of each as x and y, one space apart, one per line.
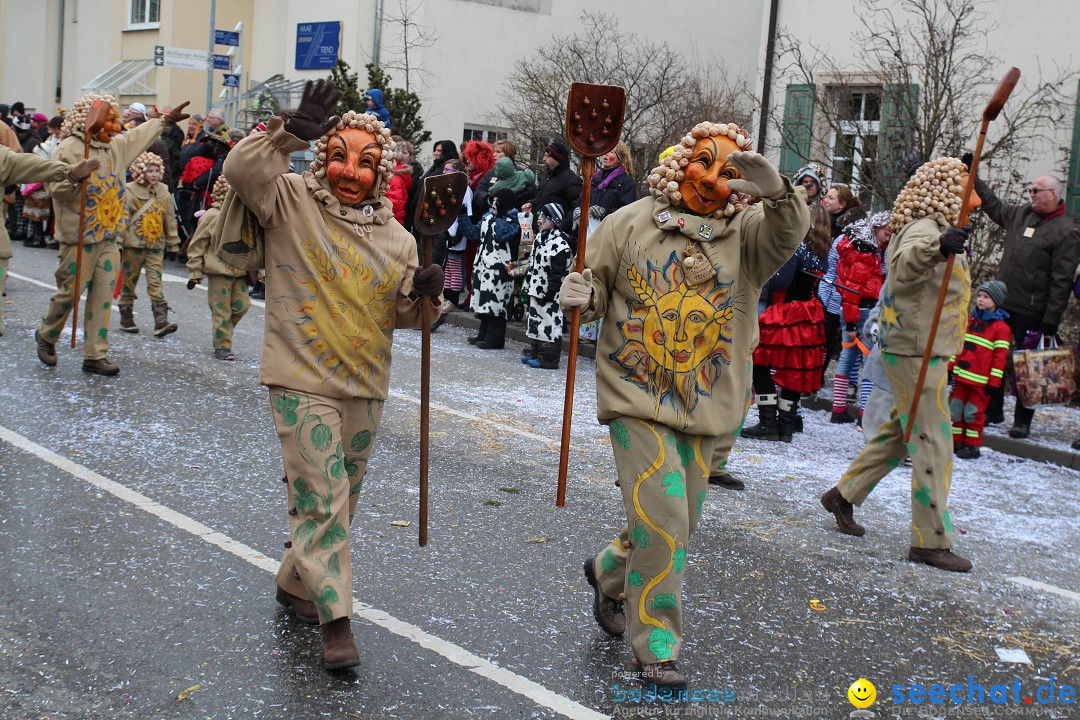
132 261
930 448
325 445
663 476
229 301
99 268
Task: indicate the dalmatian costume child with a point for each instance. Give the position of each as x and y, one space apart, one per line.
551 258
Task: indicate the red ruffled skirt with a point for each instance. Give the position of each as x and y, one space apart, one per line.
793 344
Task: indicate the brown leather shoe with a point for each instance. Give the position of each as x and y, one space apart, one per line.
662 675
843 511
100 367
727 480
608 612
940 558
338 646
46 351
303 610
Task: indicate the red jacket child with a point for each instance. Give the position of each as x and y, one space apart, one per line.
979 366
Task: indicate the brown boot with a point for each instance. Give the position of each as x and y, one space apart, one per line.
127 319
303 610
940 558
608 612
338 647
662 675
162 326
100 367
835 503
46 351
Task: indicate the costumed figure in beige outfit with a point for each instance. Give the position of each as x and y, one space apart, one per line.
226 286
17 168
341 274
675 277
923 217
106 220
151 230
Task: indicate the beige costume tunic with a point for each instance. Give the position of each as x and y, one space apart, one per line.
672 377
226 286
338 281
148 233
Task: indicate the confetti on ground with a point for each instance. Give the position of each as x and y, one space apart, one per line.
188 691
401 523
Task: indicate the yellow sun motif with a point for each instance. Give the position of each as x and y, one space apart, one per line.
677 336
109 208
340 314
151 228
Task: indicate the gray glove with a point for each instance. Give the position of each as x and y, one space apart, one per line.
759 177
576 290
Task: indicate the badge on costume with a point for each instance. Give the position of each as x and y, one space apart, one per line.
1029 232
663 216
705 231
696 267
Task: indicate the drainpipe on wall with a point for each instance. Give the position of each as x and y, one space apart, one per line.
766 90
378 33
60 54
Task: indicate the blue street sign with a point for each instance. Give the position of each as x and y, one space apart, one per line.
318 45
231 80
222 62
226 37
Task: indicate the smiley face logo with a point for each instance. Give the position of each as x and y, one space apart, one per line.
862 693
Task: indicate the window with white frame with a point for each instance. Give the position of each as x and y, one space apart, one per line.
144 13
486 133
853 145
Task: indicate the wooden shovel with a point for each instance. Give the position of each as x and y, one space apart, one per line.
95 120
1001 94
594 121
438 209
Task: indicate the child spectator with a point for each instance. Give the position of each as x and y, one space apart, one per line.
400 186
498 234
978 367
552 254
226 289
151 229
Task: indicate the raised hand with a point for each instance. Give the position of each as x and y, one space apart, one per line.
83 168
313 118
177 113
759 177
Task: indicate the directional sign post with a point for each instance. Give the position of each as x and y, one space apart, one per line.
181 58
226 37
222 62
231 80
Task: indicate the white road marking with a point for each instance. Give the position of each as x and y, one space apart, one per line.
167 277
513 682
1021 580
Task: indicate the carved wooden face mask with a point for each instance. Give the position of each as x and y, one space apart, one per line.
352 165
110 129
704 189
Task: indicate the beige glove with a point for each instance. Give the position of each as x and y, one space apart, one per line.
576 290
83 168
759 177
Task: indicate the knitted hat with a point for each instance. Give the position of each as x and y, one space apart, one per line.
995 289
558 151
554 212
810 173
39 118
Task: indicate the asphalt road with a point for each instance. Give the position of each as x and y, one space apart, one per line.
142 516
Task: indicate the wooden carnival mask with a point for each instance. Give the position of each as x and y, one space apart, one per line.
704 188
352 165
111 127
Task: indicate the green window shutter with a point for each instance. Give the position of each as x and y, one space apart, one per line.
899 109
1072 189
796 135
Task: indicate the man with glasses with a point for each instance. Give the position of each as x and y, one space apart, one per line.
1038 265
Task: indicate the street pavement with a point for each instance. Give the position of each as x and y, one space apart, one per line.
143 517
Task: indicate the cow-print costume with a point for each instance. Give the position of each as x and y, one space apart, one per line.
492 284
551 257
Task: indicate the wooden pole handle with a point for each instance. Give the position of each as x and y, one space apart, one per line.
426 308
76 289
588 167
